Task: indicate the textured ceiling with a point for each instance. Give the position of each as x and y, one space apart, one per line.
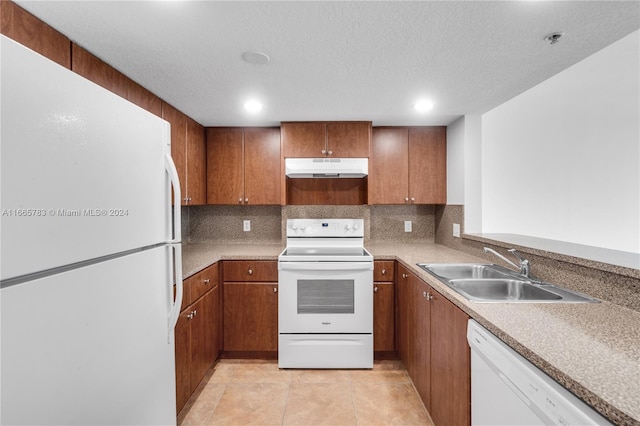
339 60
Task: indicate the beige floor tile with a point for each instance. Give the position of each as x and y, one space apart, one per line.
388 364
388 404
379 376
260 373
319 404
320 376
251 404
201 410
222 373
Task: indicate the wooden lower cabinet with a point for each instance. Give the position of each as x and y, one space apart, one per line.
432 344
197 333
250 307
383 307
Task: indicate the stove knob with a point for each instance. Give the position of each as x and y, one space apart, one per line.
302 228
294 227
348 227
355 226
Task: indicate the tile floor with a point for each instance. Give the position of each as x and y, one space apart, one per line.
243 392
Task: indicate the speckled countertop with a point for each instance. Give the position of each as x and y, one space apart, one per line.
591 349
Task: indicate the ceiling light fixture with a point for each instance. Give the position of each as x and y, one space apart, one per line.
253 106
423 105
257 58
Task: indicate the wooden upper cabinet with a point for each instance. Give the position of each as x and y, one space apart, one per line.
389 165
262 166
243 166
428 165
196 164
326 139
26 29
225 180
95 69
408 166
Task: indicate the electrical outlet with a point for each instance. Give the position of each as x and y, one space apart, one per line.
246 225
456 230
407 226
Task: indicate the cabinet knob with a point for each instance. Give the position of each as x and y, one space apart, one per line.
413 200
428 295
250 271
330 152
275 289
324 151
406 200
375 289
240 200
207 281
404 275
383 272
246 200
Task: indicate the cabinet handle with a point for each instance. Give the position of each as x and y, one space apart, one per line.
383 272
191 314
375 289
195 312
404 275
250 271
275 289
427 295
207 281
324 151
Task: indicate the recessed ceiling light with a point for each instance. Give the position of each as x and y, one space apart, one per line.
256 57
423 105
253 106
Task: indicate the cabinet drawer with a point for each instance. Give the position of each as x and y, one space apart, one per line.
250 270
203 281
383 270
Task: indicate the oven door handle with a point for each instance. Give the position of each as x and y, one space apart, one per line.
325 266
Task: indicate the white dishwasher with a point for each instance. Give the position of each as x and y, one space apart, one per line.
506 389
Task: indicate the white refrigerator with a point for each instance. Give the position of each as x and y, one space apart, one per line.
90 252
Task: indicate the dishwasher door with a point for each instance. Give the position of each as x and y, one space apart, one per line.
508 390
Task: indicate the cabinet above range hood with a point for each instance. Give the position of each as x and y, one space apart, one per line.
326 167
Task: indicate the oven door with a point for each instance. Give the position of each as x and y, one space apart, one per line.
325 297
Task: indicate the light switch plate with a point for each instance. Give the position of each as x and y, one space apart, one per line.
407 226
456 230
246 225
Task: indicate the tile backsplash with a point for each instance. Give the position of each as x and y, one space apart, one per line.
381 223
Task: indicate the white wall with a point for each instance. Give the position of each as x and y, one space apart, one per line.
455 161
562 160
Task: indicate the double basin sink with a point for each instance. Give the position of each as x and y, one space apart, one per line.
493 283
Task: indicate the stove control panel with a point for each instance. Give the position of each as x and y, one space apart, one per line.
325 228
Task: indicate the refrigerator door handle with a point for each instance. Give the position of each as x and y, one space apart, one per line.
174 313
170 167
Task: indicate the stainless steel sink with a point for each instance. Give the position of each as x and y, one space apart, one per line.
493 283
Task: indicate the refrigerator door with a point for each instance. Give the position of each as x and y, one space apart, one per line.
82 169
89 346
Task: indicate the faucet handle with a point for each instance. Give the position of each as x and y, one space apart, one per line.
525 269
516 254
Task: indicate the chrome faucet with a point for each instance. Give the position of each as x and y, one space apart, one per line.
525 268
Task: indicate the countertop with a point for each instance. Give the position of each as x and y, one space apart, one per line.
591 349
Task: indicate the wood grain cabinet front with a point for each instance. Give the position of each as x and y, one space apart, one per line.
197 332
383 307
316 139
433 347
408 165
243 165
250 308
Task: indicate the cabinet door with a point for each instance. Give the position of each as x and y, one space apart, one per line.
405 313
389 165
349 139
178 123
26 29
383 316
250 316
250 270
196 162
202 337
203 282
262 166
450 364
304 139
428 165
182 333
421 340
225 169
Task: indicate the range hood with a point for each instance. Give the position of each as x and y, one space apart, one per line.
326 167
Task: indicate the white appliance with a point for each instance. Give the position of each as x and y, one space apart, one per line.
326 167
508 390
325 296
90 251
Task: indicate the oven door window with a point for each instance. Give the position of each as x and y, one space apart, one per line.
325 297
